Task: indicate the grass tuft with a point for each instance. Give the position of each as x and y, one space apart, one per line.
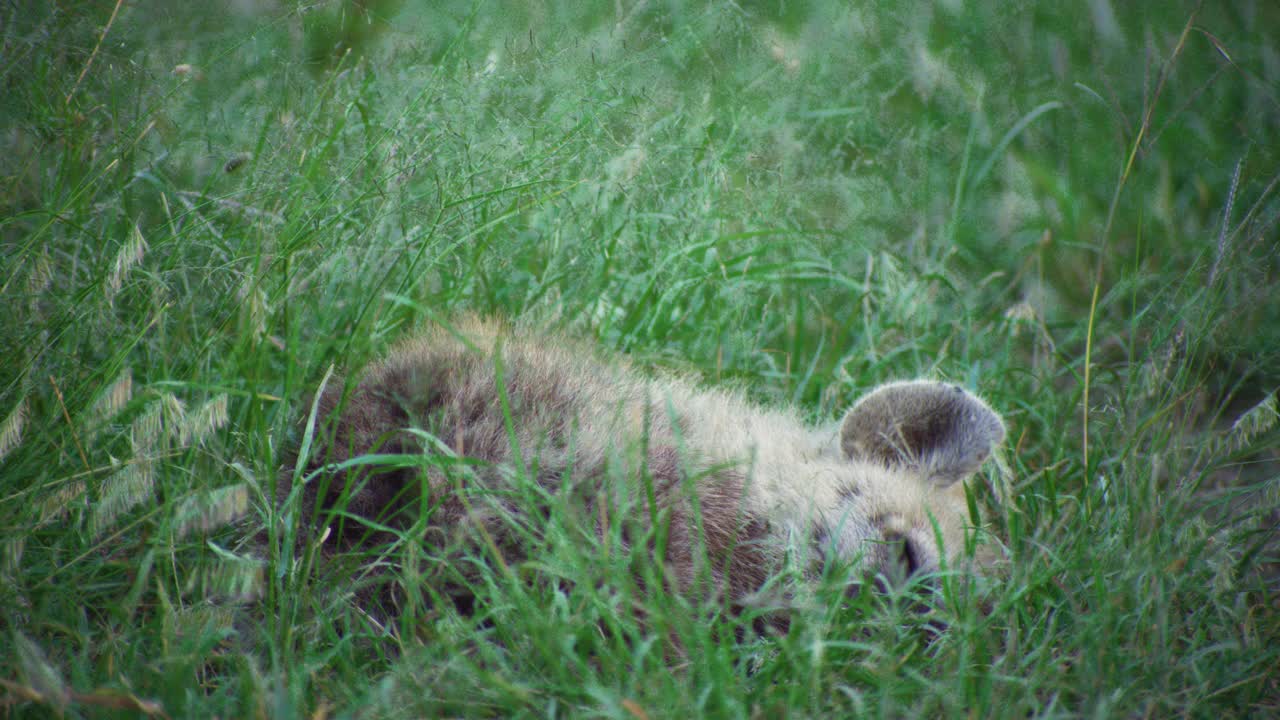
207 213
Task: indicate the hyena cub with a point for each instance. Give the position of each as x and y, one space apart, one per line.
491 426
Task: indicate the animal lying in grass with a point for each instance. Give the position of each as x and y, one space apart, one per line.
465 437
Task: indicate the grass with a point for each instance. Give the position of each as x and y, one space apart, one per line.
1070 209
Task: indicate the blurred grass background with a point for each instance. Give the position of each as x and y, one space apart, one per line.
1071 208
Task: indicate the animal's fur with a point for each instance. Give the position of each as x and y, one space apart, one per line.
736 484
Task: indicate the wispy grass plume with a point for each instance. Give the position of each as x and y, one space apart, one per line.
127 257
11 427
203 512
120 492
194 427
1257 420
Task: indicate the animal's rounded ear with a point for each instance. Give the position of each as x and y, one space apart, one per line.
936 428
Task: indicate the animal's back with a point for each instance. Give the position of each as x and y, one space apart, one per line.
534 416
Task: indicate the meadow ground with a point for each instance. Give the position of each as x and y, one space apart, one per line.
1068 207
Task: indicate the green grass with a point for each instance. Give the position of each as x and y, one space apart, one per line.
1068 207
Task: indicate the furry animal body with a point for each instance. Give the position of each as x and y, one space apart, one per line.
490 423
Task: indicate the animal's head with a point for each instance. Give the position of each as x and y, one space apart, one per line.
912 443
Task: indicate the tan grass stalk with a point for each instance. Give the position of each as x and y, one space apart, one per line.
62 405
98 46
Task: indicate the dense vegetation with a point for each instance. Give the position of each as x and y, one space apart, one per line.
1069 207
